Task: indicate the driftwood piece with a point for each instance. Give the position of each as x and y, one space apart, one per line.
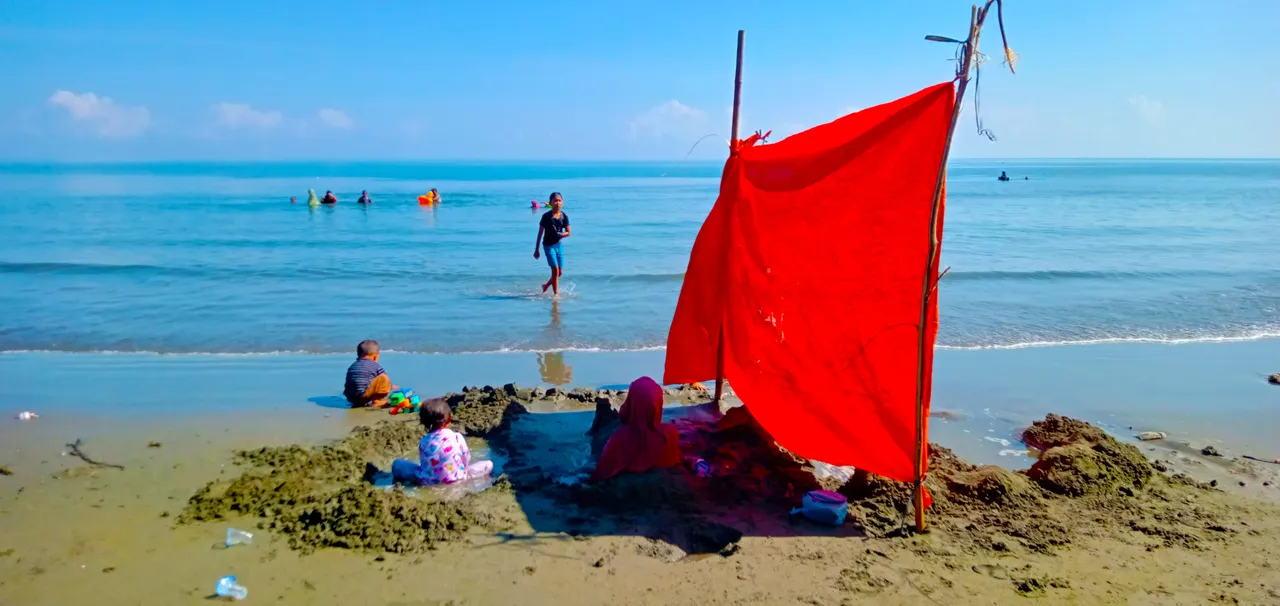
76 452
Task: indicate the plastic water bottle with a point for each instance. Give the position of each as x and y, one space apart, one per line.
228 588
236 537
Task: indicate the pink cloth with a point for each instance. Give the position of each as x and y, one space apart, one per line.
445 457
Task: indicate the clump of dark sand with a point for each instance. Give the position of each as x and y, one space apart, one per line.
366 517
1057 430
316 497
481 411
958 489
1080 459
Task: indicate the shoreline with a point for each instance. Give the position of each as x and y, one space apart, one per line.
1210 393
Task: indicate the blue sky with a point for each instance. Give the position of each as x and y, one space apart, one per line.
235 80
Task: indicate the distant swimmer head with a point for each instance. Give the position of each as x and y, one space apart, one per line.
293 199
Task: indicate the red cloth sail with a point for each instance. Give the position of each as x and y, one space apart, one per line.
813 259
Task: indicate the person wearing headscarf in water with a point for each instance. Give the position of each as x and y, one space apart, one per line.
643 442
312 200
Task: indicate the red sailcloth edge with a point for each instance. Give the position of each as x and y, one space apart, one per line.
813 259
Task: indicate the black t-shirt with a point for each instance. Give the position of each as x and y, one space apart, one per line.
553 227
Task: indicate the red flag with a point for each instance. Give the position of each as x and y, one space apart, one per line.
813 259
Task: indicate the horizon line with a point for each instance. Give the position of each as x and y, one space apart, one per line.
47 161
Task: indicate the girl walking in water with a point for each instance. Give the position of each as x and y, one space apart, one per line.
552 229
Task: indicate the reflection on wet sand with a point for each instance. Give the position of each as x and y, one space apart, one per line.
551 364
553 369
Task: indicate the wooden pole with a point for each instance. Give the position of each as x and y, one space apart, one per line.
733 148
971 49
737 89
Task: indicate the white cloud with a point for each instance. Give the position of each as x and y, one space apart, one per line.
1151 112
107 118
671 119
335 118
238 115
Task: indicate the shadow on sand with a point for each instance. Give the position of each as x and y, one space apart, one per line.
330 402
549 454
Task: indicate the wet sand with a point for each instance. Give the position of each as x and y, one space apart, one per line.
1201 392
71 534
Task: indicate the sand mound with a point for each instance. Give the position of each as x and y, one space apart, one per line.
1080 459
316 497
481 411
958 489
365 517
1057 430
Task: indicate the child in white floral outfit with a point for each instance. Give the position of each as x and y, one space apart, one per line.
444 453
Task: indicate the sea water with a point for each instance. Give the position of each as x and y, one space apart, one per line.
186 258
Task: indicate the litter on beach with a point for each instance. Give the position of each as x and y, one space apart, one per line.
26 415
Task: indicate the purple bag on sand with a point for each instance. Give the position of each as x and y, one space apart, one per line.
823 507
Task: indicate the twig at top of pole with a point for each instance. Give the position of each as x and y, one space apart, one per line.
1010 57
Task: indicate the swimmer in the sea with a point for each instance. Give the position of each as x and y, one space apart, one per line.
552 229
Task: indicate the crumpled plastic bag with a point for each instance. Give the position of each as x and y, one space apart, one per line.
824 470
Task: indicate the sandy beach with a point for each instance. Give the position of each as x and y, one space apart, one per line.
73 533
306 320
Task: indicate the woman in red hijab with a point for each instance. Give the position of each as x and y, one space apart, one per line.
643 442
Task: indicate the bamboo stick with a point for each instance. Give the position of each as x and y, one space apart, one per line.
733 148
975 28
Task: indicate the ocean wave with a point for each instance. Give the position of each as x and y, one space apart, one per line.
1062 275
1252 336
365 272
1258 336
362 272
40 267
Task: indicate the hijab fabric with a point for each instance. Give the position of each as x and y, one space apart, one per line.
643 442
